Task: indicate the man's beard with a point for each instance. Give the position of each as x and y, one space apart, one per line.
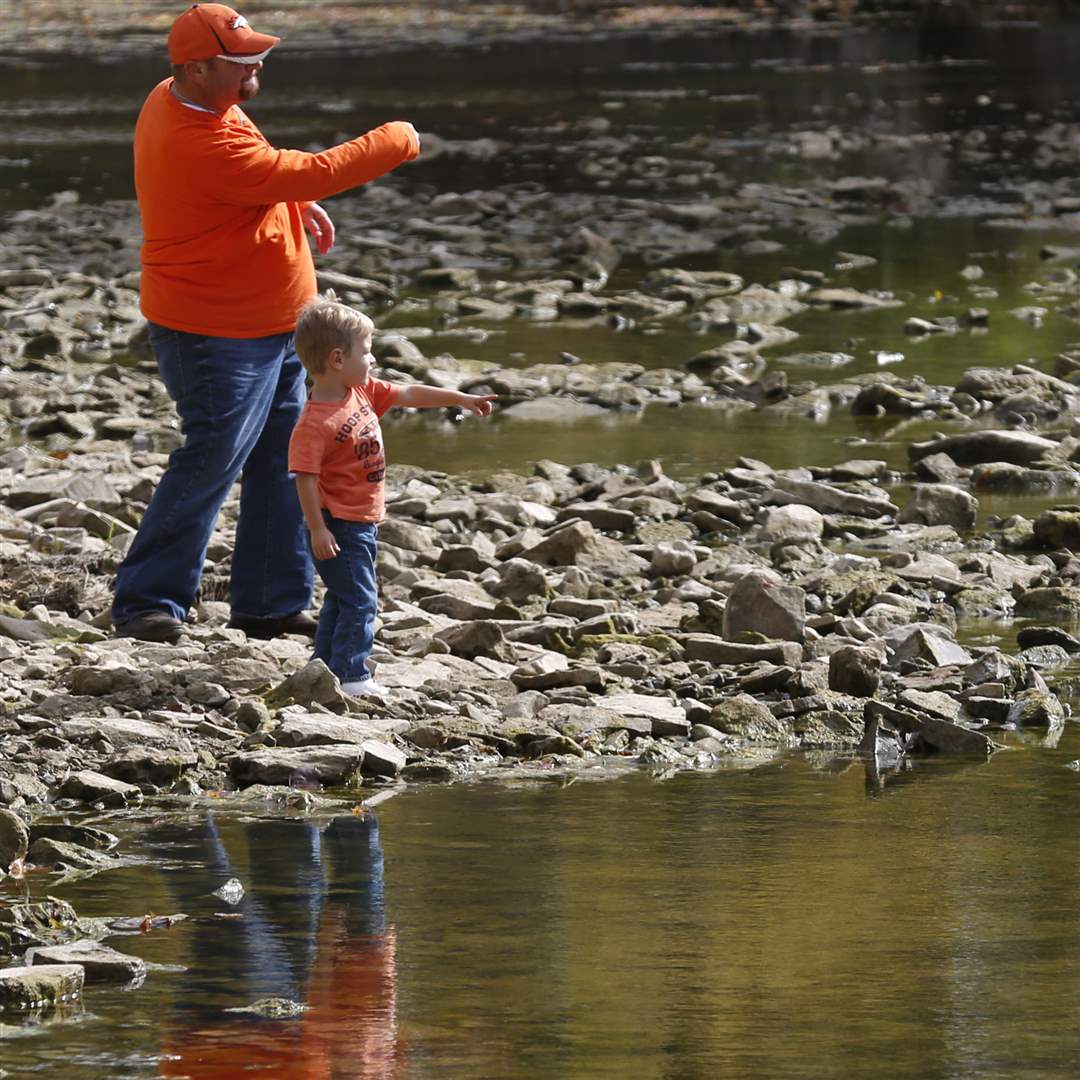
249 88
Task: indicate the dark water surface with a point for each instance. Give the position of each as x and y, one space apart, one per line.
801 918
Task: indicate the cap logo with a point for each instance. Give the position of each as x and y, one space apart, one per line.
238 22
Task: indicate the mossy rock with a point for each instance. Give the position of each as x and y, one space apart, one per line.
589 644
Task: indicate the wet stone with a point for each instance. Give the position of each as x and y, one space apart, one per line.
94 787
101 963
14 838
63 856
46 986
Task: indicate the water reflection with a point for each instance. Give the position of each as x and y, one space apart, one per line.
311 928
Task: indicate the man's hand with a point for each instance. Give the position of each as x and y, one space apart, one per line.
323 544
317 222
477 404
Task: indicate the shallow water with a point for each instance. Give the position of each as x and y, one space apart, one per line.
801 918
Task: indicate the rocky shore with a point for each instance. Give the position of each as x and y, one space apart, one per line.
528 622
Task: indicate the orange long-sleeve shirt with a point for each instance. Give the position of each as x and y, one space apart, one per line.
224 252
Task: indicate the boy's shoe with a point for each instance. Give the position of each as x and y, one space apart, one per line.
365 688
150 626
300 622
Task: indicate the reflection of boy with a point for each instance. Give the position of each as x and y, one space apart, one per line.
337 454
313 929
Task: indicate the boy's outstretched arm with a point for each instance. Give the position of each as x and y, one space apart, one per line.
323 544
421 396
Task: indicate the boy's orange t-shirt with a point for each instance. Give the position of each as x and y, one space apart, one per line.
224 252
341 443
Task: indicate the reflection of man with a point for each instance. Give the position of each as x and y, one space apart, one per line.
225 269
312 929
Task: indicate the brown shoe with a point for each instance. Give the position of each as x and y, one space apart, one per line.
150 626
300 622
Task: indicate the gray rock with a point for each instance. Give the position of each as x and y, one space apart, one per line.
855 670
382 758
328 766
940 504
672 560
937 704
942 737
715 650
1036 708
100 963
760 604
147 766
1031 636
665 717
751 721
56 853
600 515
920 642
316 729
126 733
793 523
84 835
14 838
273 1008
95 787
478 638
1058 528
979 447
1060 602
313 684
592 678
579 544
831 500
28 989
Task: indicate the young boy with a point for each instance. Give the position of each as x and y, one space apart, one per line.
337 455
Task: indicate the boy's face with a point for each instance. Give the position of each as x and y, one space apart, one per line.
356 364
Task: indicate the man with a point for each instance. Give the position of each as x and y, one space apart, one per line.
225 269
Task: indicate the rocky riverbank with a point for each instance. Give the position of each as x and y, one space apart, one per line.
528 621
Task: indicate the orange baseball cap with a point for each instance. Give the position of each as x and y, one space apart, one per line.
208 30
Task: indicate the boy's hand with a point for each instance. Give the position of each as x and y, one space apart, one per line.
477 404
323 544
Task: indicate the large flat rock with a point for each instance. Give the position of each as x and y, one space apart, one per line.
664 716
282 766
101 963
124 733
23 989
321 730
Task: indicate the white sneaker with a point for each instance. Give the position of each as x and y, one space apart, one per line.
366 688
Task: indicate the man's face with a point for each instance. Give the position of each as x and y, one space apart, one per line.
225 84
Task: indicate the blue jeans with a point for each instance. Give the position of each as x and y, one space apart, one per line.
238 400
346 630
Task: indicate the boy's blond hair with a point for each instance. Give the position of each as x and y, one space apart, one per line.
325 324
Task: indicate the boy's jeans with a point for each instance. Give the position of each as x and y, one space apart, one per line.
346 631
238 400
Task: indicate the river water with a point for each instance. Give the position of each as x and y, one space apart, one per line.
800 917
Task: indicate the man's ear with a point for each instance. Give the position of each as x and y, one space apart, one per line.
195 70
